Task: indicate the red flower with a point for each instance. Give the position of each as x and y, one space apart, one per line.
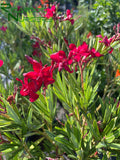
35 53
3 28
1 63
47 75
72 46
29 89
50 12
68 13
106 41
94 53
77 54
37 66
111 50
69 16
58 56
81 53
61 61
40 74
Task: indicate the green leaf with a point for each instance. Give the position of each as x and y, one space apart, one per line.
4 123
11 112
115 146
109 127
107 114
109 138
92 130
61 139
72 156
29 119
101 144
7 146
96 128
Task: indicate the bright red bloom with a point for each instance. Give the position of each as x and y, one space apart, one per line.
1 63
76 54
68 13
111 50
58 56
61 61
50 12
37 66
47 75
99 36
3 28
29 89
40 74
81 53
69 16
95 53
106 41
72 46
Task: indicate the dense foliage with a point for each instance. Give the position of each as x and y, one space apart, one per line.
59 86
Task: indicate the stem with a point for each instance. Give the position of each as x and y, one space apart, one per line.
81 70
77 117
82 129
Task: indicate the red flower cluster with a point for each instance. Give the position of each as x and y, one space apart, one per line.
61 61
3 28
43 75
114 38
51 12
82 53
107 42
1 63
69 17
77 54
40 75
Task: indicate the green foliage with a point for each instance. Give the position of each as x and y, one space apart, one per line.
104 14
91 126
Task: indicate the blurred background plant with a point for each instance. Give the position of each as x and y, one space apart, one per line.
104 14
